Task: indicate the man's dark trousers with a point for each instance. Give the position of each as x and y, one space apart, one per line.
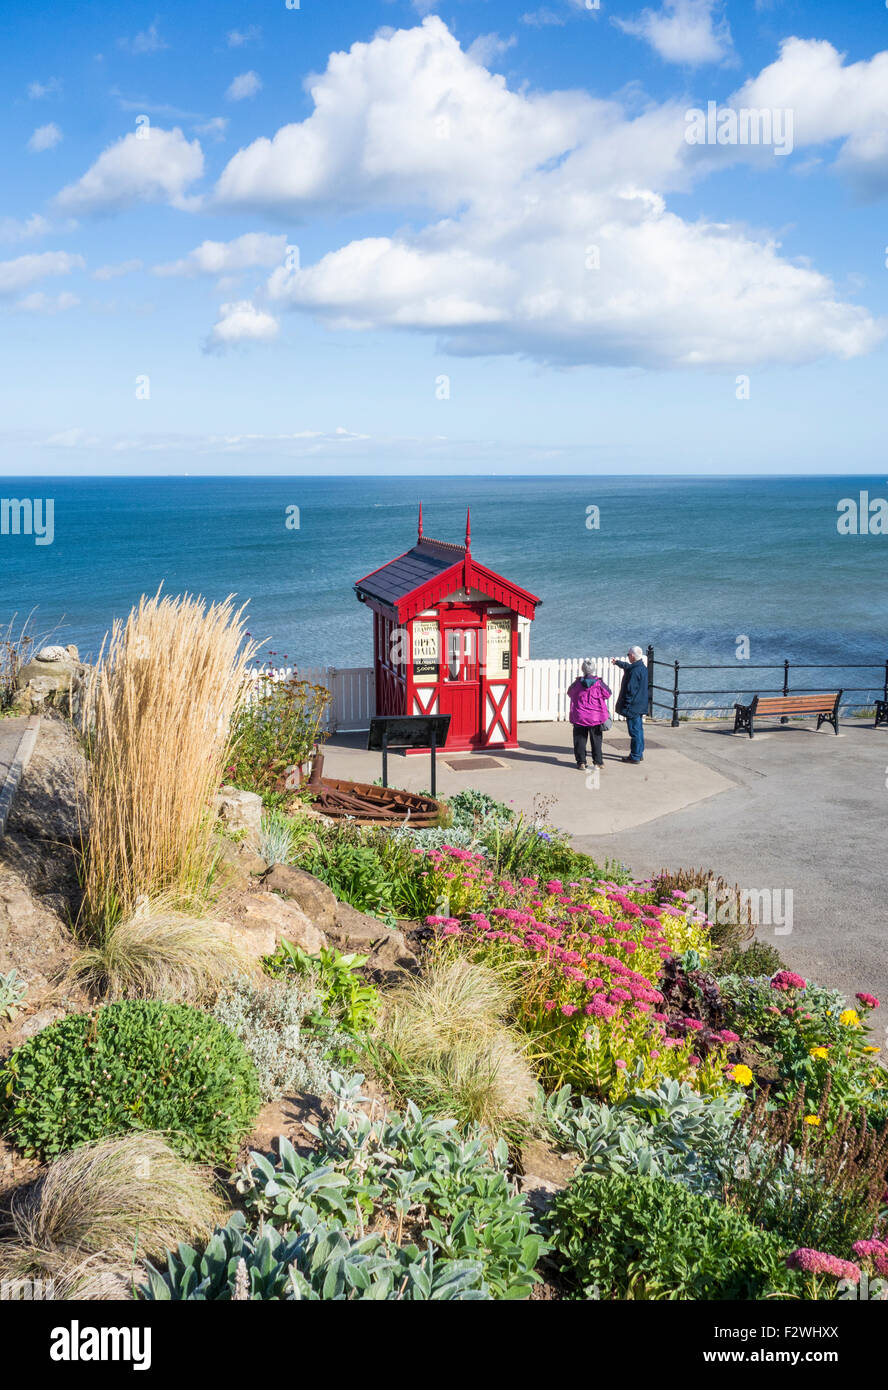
635 725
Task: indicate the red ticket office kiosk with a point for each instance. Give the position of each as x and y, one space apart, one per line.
445 640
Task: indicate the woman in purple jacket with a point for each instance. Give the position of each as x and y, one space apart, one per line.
588 714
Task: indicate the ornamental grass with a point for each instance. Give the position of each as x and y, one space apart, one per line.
443 1043
159 712
80 1227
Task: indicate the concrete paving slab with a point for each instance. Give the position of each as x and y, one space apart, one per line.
543 768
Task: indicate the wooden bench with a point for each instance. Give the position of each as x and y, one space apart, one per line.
826 707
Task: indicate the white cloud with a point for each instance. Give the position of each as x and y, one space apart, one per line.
74 438
38 90
113 272
521 187
831 101
225 257
543 18
404 118
147 41
241 322
239 38
45 137
40 303
247 84
12 229
684 31
25 270
214 128
488 47
134 170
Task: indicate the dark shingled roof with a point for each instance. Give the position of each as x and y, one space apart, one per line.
399 577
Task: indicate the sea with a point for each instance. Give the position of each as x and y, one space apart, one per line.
739 574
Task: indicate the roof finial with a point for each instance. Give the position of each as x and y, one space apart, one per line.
468 529
419 532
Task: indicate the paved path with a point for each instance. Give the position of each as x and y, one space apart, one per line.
787 810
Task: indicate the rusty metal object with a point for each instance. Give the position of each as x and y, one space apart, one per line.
365 802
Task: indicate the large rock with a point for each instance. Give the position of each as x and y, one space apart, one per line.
49 804
317 901
386 947
34 940
54 678
243 864
240 811
286 920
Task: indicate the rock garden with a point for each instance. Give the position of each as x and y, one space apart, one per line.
250 1053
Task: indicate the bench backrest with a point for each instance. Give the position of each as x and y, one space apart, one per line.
797 704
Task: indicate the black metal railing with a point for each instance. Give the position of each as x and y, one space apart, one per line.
676 694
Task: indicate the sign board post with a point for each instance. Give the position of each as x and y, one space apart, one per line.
407 731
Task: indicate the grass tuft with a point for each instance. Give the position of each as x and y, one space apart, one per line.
158 953
87 1220
442 1043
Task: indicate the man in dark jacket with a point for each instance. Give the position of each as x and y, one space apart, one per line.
632 701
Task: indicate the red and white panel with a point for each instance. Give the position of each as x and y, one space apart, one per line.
425 699
498 712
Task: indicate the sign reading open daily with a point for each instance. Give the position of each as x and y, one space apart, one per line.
425 648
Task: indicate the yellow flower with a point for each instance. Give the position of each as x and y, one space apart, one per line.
812 1119
742 1075
850 1018
872 1049
819 1052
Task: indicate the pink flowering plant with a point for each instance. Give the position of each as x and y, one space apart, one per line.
588 956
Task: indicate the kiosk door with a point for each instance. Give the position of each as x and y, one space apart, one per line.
460 689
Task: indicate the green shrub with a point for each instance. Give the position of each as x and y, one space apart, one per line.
275 731
814 1039
470 809
343 999
758 958
820 1187
393 1174
136 1065
355 872
320 1262
647 1237
275 1024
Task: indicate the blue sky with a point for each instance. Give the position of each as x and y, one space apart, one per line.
473 237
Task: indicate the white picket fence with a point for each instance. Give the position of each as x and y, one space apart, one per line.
542 686
542 689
